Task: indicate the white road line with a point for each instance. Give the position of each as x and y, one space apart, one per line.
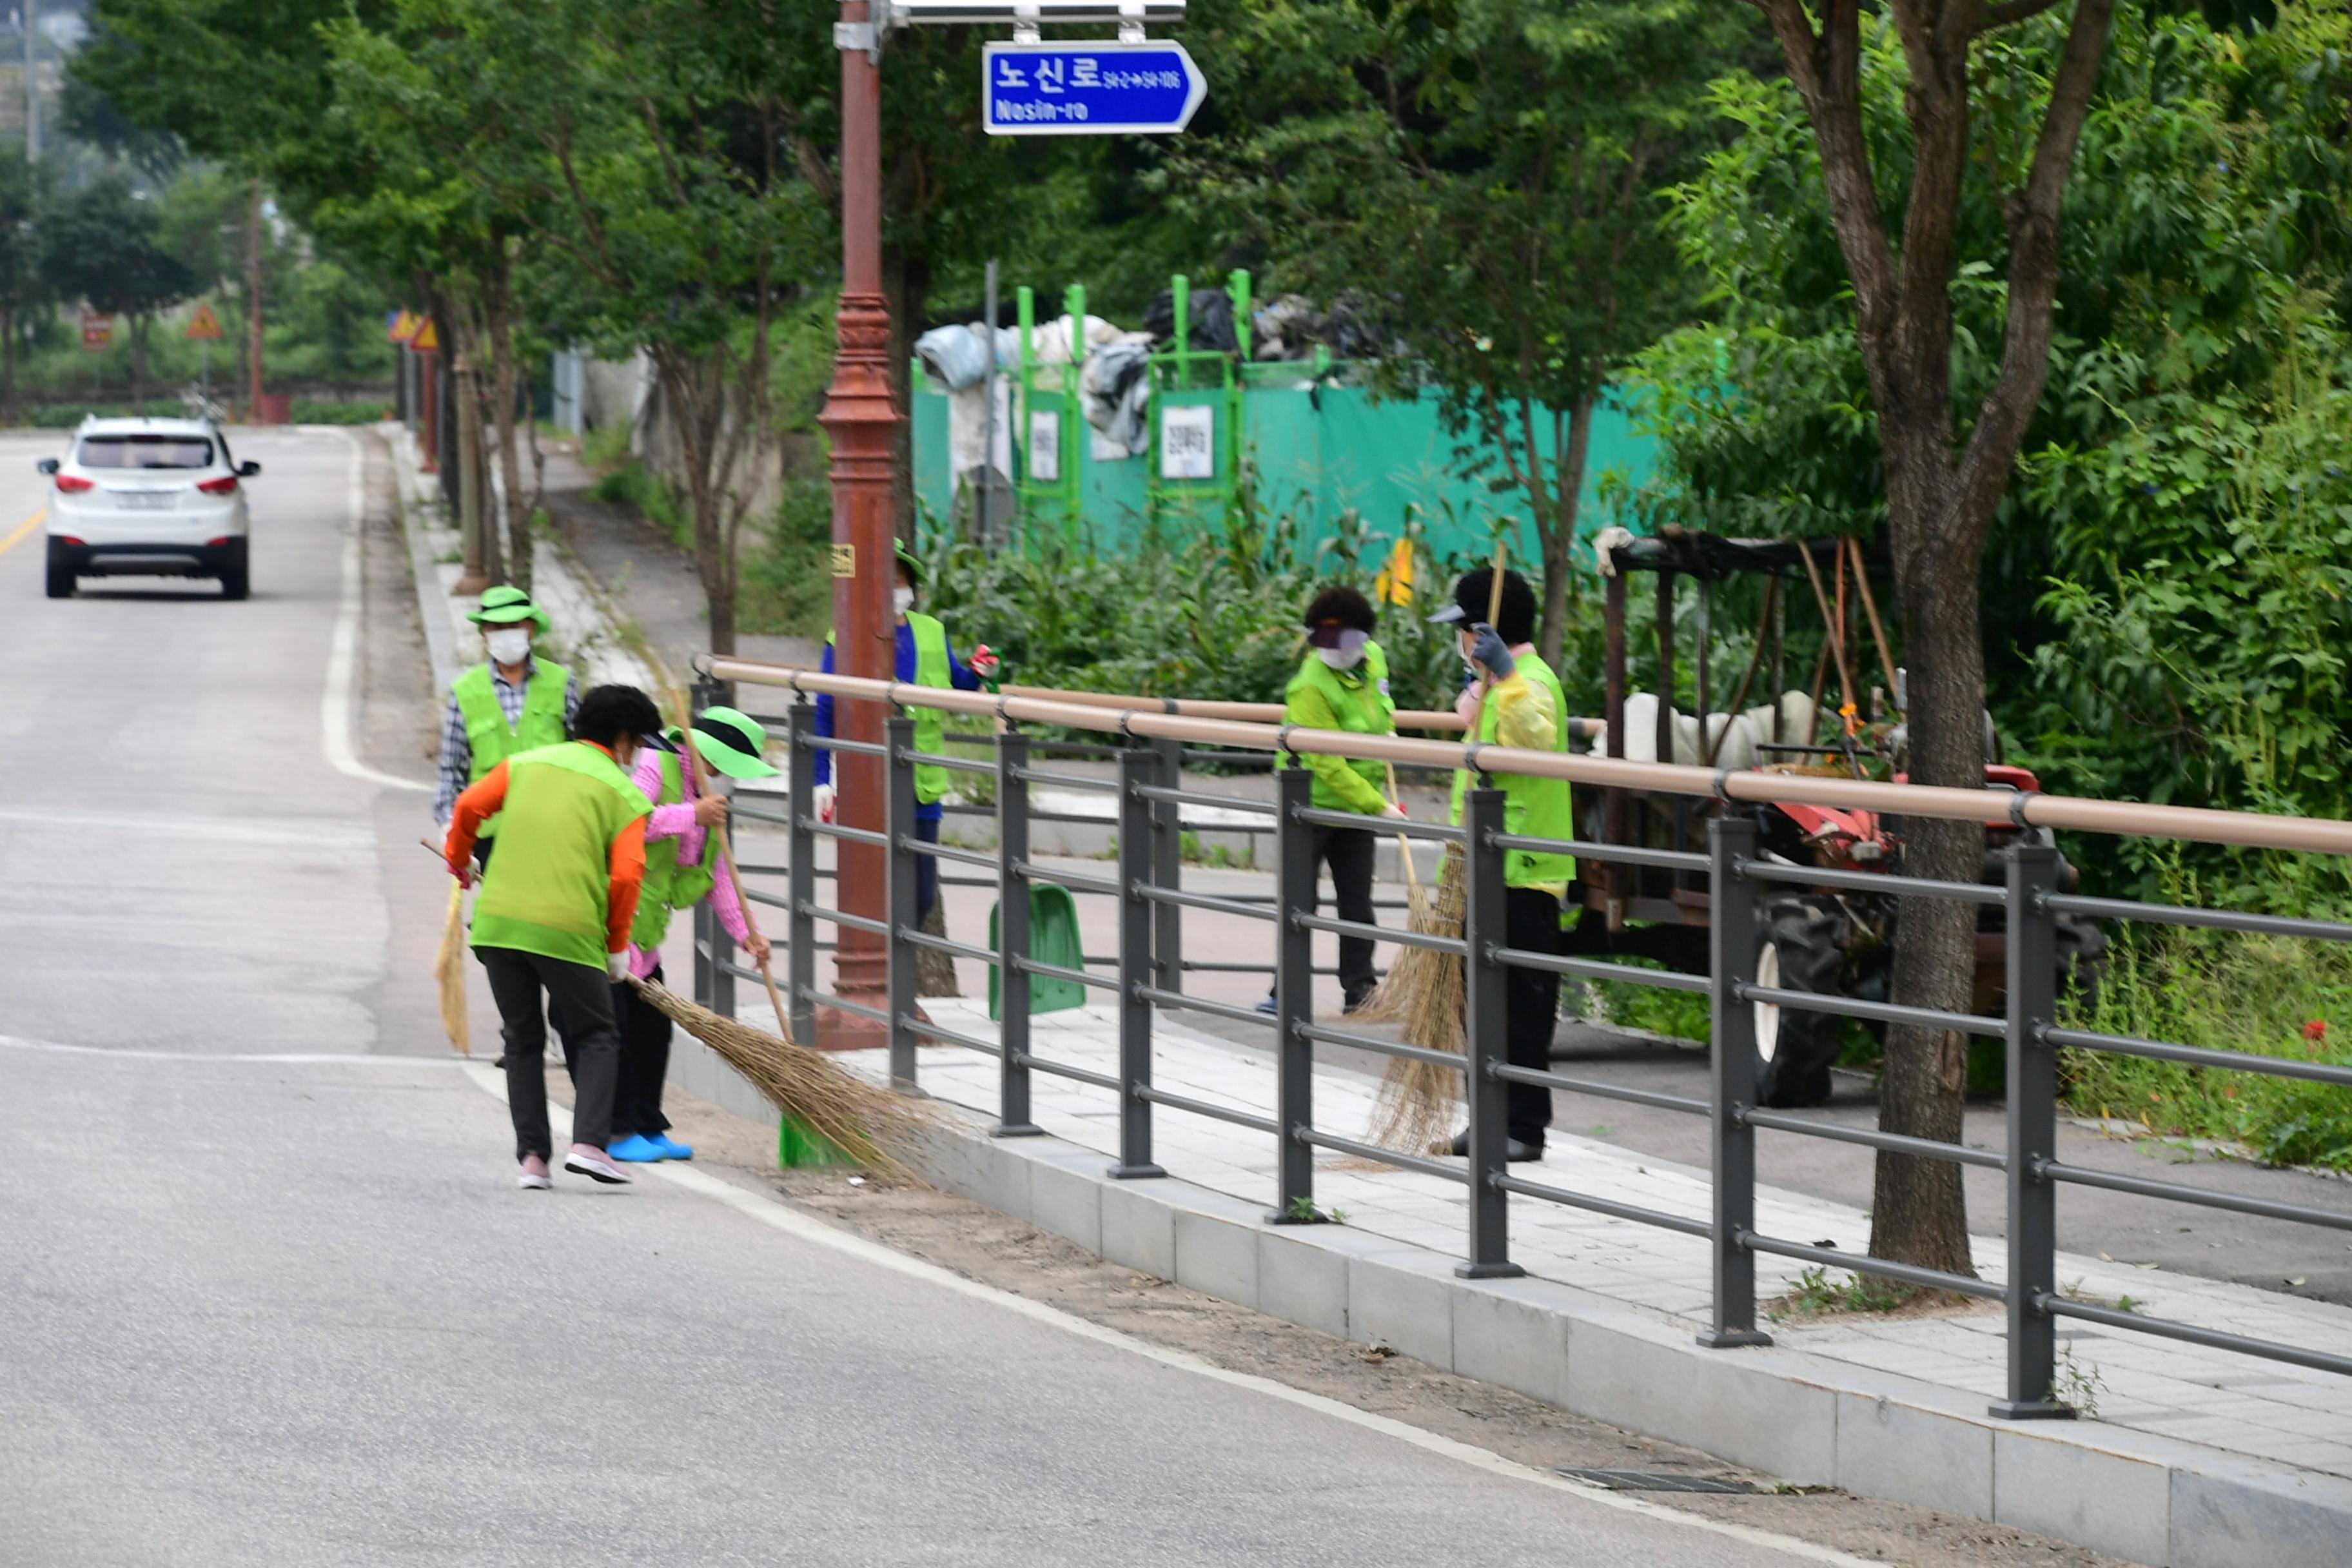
292 1059
335 704
806 1227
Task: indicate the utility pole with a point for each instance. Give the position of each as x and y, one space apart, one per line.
32 93
863 421
253 303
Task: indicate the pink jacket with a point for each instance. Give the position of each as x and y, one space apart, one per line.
677 822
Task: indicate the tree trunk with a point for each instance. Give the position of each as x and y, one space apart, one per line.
471 511
503 379
1559 539
907 284
139 366
8 362
695 390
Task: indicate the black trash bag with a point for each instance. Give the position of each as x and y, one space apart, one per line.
1211 326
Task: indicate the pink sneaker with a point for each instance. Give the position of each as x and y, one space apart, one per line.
593 1163
533 1177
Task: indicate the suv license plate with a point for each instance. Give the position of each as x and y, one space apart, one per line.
143 500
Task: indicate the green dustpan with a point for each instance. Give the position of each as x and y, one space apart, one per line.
1053 938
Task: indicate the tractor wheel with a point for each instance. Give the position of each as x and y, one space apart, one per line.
1801 951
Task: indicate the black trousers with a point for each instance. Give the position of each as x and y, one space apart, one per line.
926 870
1530 1008
644 1062
580 1000
1347 851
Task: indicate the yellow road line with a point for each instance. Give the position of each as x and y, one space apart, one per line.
23 529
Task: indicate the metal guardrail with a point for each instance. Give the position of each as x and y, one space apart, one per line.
1148 794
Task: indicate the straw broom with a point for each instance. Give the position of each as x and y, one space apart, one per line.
450 970
1425 994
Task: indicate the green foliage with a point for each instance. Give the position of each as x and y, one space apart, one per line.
1210 614
2183 480
788 571
1818 1291
2266 995
652 498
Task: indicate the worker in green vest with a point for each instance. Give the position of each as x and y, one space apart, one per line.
1343 684
682 866
1516 700
922 659
555 911
512 702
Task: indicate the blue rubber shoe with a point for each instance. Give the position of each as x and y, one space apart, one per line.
671 1149
1267 1007
637 1150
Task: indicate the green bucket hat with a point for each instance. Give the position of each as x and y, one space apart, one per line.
905 560
505 605
731 743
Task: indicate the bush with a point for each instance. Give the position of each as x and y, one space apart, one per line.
315 411
788 573
653 499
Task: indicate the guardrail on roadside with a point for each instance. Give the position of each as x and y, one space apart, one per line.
1149 798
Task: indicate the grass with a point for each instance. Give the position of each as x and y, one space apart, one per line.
788 570
1680 1014
629 485
2265 995
1819 1290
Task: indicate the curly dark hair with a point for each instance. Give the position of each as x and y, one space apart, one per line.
608 712
1342 604
1515 620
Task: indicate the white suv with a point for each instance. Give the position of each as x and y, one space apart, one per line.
148 497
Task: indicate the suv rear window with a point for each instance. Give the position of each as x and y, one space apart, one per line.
145 452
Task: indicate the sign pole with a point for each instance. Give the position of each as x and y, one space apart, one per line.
863 422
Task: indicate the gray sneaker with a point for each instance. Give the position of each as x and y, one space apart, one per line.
597 1166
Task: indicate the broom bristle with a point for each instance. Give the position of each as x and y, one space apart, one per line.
861 1120
1424 995
450 969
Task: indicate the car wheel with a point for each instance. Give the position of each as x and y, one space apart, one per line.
1801 950
62 574
234 581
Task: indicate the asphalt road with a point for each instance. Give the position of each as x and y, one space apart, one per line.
268 1294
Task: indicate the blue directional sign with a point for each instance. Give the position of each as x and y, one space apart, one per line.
1088 88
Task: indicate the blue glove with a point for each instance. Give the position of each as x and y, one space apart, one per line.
1492 651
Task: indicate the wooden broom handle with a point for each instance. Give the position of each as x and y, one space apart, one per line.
727 856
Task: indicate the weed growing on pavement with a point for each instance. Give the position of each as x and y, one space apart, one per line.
2077 1383
1819 1291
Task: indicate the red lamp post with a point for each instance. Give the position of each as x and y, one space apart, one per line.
863 421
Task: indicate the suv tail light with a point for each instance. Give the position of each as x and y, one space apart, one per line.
223 486
74 484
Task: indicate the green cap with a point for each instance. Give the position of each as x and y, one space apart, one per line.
505 605
906 558
732 741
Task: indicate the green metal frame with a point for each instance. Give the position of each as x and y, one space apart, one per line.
1184 376
1052 389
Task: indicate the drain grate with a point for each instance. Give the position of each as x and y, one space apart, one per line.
1652 1481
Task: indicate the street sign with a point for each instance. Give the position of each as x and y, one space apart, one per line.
204 325
427 340
401 327
1088 88
97 329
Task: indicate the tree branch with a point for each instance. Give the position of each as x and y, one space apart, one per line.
2032 218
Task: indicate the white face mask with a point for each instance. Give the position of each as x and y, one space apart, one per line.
509 645
1341 658
902 599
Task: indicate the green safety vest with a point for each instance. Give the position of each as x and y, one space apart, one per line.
931 723
544 891
1538 808
669 884
486 723
1360 698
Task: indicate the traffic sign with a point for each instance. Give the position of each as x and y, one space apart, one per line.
204 325
401 327
1088 88
97 329
427 340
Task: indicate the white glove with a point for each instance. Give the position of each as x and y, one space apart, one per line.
617 965
1393 813
823 800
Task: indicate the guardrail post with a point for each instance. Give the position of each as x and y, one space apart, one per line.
899 739
800 924
2032 984
1136 765
1485 920
1731 1017
1012 940
1294 999
1168 869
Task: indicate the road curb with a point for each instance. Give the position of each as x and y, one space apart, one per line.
440 638
1806 1419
